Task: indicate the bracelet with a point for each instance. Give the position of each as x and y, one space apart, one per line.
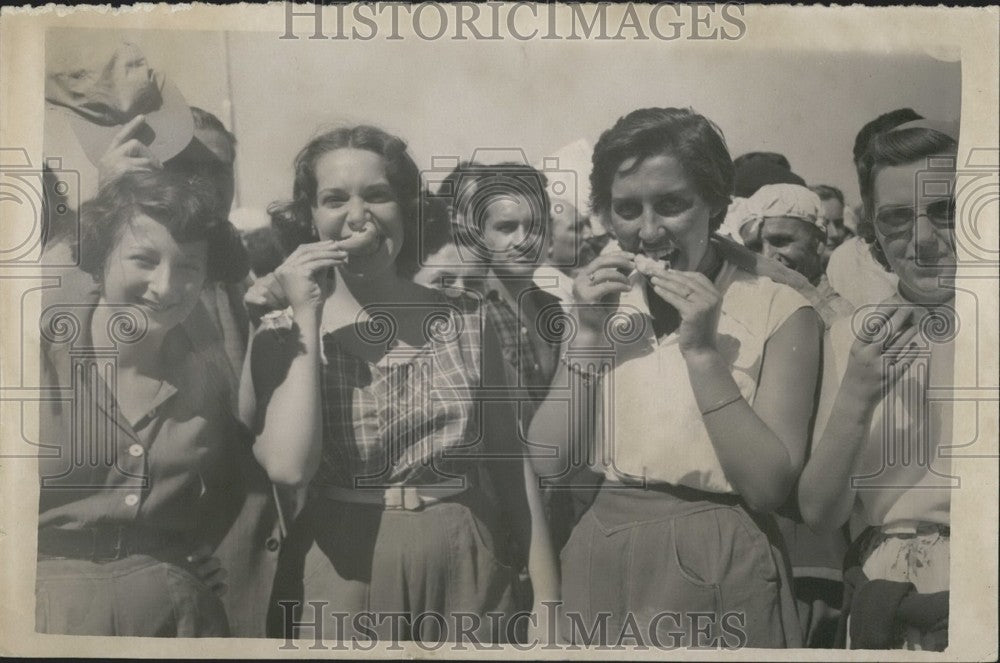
577 369
723 404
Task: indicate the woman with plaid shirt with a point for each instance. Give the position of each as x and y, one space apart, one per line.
416 500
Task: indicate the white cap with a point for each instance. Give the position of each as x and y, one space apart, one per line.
788 200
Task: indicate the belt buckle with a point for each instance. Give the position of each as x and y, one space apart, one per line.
402 498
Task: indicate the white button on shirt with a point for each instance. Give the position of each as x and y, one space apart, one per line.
136 450
657 432
131 499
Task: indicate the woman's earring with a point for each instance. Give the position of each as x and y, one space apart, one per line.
313 232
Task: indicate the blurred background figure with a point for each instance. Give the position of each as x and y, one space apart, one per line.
260 240
441 264
571 242
737 214
786 223
755 169
210 156
832 200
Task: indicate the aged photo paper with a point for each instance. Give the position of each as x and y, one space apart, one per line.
505 330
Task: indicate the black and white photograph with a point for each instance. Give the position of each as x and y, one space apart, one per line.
507 329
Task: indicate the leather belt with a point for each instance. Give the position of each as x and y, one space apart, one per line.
105 544
408 498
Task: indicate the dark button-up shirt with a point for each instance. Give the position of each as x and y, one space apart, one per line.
530 355
97 467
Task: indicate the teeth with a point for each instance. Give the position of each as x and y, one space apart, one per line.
659 254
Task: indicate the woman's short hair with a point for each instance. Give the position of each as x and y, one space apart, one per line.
881 124
186 206
692 139
292 219
893 147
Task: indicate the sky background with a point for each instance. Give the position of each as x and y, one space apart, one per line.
448 98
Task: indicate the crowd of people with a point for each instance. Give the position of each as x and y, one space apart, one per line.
545 419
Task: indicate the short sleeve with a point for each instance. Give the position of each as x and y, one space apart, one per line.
784 302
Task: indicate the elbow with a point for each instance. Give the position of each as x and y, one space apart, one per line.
281 472
771 495
288 478
818 518
765 502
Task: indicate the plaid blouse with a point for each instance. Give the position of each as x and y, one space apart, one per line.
391 422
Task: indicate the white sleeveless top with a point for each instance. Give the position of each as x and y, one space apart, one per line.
653 428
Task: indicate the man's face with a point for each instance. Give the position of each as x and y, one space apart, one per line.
569 229
836 232
794 243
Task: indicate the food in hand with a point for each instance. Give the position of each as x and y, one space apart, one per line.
362 242
647 265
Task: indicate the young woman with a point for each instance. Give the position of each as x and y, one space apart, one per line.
703 406
417 500
135 470
877 436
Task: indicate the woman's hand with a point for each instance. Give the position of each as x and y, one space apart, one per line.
885 341
597 289
304 276
209 569
696 299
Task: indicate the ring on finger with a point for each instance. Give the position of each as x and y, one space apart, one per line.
592 276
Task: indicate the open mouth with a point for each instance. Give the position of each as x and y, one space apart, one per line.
664 252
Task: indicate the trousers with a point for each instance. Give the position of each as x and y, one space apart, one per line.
138 595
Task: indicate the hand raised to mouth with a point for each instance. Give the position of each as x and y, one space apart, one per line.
364 241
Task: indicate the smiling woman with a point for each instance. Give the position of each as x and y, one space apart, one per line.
127 520
360 390
703 405
875 406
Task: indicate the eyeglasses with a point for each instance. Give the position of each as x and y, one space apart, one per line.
894 220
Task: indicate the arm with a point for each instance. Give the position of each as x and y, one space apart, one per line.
596 293
283 407
847 406
286 416
761 449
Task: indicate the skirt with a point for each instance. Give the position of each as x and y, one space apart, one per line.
437 574
671 567
138 595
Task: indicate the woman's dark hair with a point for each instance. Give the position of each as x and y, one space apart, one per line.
881 124
293 219
187 206
892 148
688 137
